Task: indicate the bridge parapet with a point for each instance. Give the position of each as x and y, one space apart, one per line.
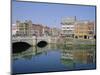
28 40
34 40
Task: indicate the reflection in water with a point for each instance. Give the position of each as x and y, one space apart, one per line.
34 51
72 57
54 57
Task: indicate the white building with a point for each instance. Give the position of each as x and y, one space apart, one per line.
14 29
68 26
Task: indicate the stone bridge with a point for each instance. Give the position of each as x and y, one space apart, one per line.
34 40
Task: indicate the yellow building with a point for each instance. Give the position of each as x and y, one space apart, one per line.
24 29
84 30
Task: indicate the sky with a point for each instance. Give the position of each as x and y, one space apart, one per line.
50 14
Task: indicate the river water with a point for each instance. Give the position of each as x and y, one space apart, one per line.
53 58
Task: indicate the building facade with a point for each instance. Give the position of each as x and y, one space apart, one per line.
55 32
68 26
84 30
79 29
40 30
24 29
14 29
37 29
46 31
28 29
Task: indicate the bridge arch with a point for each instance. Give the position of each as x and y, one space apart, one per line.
20 46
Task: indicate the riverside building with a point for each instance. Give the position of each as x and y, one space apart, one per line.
68 26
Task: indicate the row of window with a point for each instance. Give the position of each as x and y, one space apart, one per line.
68 27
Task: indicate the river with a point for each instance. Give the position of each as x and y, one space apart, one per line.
53 58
